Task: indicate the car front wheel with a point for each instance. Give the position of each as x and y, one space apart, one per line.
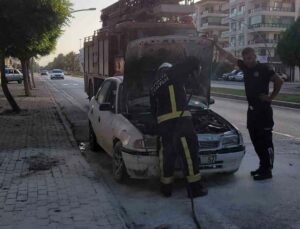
119 169
94 146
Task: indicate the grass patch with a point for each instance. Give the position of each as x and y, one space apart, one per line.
281 97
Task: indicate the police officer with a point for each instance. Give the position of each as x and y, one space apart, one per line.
260 122
175 127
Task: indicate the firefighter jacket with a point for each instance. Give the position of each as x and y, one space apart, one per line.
167 95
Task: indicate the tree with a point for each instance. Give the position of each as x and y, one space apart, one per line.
35 35
288 47
68 62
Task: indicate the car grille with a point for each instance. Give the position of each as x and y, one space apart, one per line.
208 144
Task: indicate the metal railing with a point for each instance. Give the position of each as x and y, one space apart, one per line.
272 9
270 25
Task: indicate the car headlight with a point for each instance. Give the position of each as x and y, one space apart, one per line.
149 143
231 140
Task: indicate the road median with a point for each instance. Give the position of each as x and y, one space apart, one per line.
284 100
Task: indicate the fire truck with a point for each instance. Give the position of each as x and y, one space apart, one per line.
125 21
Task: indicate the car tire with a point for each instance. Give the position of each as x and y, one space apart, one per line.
118 166
20 81
94 146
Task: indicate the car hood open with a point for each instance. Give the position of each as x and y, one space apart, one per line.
144 56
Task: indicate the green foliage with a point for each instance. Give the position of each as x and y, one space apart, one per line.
69 62
31 27
289 46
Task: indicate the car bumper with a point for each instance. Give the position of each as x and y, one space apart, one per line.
143 166
57 77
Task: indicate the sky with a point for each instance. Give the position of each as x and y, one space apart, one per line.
82 24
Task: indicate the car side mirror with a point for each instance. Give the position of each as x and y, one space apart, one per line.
105 107
211 101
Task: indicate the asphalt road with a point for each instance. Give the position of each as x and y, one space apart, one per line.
233 201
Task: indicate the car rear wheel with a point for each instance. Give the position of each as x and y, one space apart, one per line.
118 166
94 146
20 81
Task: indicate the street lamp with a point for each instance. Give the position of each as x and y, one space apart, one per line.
89 9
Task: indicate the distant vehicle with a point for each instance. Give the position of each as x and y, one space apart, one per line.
283 76
57 74
44 73
229 75
13 75
238 77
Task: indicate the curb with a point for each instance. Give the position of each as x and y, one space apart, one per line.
243 98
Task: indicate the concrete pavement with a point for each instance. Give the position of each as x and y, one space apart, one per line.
44 180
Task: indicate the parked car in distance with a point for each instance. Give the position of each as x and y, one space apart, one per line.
12 74
44 73
283 76
238 77
57 74
229 75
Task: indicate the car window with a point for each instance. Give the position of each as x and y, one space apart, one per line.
102 93
111 94
9 71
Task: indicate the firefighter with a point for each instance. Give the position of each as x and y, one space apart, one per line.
175 127
260 122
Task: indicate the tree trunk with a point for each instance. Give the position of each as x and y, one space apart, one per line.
31 72
28 75
25 76
5 89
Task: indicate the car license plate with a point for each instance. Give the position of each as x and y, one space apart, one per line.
208 159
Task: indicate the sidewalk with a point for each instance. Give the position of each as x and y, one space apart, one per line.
44 181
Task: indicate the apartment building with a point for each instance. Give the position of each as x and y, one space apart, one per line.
249 23
210 15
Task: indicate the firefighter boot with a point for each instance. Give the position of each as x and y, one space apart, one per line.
166 189
196 189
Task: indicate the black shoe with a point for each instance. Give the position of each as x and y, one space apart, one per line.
166 189
263 175
196 189
255 172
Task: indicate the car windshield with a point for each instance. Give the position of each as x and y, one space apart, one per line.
56 71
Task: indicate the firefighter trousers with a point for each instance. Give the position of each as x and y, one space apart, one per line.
179 142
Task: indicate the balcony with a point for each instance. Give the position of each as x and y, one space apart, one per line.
278 11
213 13
225 34
210 25
272 27
172 9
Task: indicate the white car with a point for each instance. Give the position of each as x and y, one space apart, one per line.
57 74
121 123
238 76
13 75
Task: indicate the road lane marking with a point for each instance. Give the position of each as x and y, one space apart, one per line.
286 135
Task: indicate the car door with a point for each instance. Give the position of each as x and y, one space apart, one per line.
107 117
95 112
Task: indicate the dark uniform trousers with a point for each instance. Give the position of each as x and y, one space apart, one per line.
260 124
178 141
